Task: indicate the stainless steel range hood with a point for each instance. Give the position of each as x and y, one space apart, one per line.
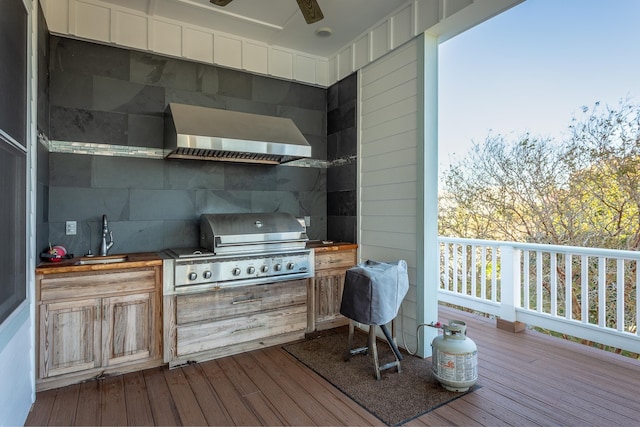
192 132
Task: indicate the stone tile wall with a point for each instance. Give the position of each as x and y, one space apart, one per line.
113 96
342 142
42 156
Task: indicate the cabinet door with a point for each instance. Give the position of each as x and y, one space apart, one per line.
329 285
127 328
69 337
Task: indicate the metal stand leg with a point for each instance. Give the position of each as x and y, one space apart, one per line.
374 351
372 347
391 341
350 352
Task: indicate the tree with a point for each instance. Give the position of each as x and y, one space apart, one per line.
604 154
583 191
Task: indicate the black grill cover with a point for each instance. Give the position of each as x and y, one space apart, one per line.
373 291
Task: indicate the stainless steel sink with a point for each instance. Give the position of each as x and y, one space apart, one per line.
102 260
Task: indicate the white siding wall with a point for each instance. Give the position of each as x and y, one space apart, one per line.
391 175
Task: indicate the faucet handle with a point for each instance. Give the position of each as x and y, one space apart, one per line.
110 244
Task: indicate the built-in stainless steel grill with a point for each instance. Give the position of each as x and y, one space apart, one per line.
241 249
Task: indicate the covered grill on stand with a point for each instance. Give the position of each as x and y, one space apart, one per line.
373 292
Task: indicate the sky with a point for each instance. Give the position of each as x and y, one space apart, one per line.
533 67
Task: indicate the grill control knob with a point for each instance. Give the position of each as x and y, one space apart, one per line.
251 270
290 266
235 271
277 267
193 276
264 268
207 274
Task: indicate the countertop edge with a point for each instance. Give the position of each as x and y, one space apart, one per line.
152 259
135 260
330 247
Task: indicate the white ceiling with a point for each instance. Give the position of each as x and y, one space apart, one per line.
275 22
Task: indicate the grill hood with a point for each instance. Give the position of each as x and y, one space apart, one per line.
251 232
192 132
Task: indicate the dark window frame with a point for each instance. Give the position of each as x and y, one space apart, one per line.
13 155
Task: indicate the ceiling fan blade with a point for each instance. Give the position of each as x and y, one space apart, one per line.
310 10
220 2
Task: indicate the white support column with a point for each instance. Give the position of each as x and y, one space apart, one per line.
428 270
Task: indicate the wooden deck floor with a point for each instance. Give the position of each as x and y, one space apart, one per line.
524 379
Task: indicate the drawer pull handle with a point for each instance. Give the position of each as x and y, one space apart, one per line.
248 328
245 301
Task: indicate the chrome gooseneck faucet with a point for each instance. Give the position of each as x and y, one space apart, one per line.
104 246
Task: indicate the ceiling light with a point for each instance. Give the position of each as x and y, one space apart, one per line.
324 32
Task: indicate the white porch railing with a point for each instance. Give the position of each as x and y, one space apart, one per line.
588 293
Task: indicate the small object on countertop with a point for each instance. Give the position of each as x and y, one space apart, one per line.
54 253
89 253
327 242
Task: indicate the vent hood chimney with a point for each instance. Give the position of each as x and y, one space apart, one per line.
192 132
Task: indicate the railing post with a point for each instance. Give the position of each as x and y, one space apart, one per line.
509 289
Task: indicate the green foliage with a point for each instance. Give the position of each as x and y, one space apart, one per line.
582 191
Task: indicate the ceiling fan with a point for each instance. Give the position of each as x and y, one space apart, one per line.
309 8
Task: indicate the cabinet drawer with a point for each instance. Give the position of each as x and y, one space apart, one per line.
195 338
339 259
223 303
83 285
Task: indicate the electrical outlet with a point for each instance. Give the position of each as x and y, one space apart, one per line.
71 228
307 221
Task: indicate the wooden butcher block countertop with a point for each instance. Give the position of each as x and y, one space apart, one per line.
73 265
329 246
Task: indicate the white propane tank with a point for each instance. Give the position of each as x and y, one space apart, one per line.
454 359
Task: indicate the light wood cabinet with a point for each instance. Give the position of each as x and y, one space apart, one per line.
325 288
69 337
127 328
221 322
97 323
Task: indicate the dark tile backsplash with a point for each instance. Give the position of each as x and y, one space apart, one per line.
343 117
342 144
79 57
344 227
341 148
341 203
115 96
42 163
81 125
155 70
342 178
144 131
126 97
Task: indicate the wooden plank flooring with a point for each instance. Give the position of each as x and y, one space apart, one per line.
525 379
